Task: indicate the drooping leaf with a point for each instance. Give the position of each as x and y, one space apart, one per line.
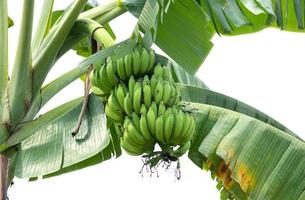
206 96
53 148
252 159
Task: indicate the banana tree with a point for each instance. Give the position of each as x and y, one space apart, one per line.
137 100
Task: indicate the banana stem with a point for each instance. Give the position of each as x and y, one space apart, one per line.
100 10
3 177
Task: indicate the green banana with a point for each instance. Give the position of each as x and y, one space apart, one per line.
114 116
144 61
151 121
143 109
136 62
113 80
130 146
128 64
166 74
178 125
131 85
151 60
154 108
136 121
120 94
158 91
121 69
187 123
167 89
168 127
144 128
158 70
137 99
147 95
128 104
161 108
104 87
134 133
104 78
114 104
153 83
159 129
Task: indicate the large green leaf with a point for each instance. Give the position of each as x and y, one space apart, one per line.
53 148
253 159
234 17
184 37
206 96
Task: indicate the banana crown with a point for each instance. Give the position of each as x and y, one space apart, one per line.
144 104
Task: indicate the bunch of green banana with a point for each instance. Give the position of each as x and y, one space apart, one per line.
137 63
143 102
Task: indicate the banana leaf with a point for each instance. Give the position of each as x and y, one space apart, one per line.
234 17
252 159
176 33
52 148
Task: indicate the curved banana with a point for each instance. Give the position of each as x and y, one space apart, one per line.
121 69
128 65
151 60
167 89
104 78
153 83
136 62
158 70
158 91
136 121
159 130
161 108
131 85
178 125
144 61
151 121
168 128
143 109
120 94
113 80
144 128
128 105
137 99
147 95
114 116
134 133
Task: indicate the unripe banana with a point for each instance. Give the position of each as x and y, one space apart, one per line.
121 69
128 64
144 61
134 133
187 123
167 89
136 62
104 79
190 131
131 85
166 74
161 108
137 99
143 109
104 87
118 130
151 121
159 129
136 121
158 91
114 104
153 83
128 104
158 70
167 113
115 117
127 121
120 94
111 75
145 80
174 110
178 125
151 60
92 79
147 95
130 146
154 108
144 128
168 127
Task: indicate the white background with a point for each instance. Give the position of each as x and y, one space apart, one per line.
265 70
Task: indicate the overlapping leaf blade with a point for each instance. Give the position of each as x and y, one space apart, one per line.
253 159
53 148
